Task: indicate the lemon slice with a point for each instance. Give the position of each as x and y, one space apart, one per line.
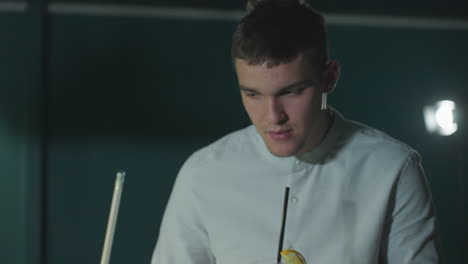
291 256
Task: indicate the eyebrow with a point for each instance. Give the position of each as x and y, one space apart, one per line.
288 87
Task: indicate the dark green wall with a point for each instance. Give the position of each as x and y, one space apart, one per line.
13 129
19 140
141 94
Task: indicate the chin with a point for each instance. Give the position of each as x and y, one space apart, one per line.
281 151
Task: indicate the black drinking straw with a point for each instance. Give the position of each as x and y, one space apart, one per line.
283 224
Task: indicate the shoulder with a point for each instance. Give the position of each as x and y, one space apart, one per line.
377 146
374 161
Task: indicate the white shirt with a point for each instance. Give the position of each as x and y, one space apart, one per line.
359 197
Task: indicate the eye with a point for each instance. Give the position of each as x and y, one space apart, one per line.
292 92
250 94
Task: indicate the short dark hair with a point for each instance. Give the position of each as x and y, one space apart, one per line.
277 31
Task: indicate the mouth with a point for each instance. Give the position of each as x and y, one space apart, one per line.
281 134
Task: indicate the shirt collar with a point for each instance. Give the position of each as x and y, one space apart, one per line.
324 151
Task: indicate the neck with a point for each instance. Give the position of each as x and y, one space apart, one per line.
319 133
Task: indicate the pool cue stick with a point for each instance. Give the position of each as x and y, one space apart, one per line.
283 224
106 251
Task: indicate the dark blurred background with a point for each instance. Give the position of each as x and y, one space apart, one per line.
88 87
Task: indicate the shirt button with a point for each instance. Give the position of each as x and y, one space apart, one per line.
294 200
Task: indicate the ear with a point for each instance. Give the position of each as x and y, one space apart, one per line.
332 74
250 5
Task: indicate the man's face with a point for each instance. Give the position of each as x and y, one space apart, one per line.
283 103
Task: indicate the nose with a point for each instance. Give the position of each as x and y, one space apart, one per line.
275 111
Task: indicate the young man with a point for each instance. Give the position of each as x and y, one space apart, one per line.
357 195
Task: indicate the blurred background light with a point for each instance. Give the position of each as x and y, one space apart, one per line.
439 118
